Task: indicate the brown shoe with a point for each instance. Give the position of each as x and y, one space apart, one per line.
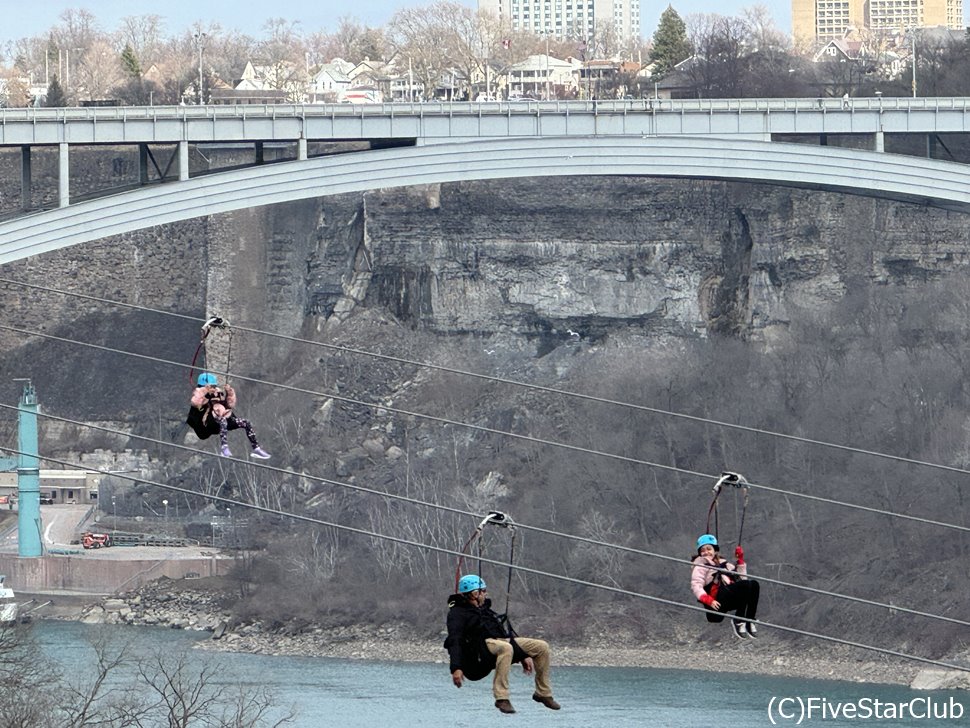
505 706
546 700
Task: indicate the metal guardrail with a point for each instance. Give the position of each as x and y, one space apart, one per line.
472 108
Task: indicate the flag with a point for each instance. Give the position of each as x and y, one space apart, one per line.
506 43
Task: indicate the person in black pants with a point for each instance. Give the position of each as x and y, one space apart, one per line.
721 591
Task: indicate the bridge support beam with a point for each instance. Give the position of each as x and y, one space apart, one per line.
63 175
25 177
143 164
183 161
301 149
880 141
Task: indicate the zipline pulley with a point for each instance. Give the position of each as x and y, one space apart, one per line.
501 520
735 480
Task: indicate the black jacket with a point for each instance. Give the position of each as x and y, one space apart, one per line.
468 628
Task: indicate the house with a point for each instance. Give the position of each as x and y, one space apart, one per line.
840 49
542 76
607 78
327 83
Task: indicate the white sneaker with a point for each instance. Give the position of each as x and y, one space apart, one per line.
740 630
752 630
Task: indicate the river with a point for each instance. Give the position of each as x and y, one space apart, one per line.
323 692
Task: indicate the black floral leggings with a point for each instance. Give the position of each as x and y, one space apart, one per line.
235 423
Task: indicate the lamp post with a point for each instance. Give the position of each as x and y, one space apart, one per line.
200 39
548 96
114 515
913 36
165 503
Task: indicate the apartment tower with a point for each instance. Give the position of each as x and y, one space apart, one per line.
579 19
819 21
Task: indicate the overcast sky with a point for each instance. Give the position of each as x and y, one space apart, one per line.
24 18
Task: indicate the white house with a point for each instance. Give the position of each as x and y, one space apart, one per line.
327 83
542 76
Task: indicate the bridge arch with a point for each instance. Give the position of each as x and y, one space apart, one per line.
911 179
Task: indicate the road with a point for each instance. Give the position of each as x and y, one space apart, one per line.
62 524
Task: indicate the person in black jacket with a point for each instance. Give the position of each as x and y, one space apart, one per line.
478 642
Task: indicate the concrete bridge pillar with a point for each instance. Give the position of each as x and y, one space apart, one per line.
25 177
880 141
301 149
63 175
183 161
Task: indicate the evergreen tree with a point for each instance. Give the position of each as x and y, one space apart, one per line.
670 44
129 62
55 93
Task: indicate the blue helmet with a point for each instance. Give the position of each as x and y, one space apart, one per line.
470 583
206 379
707 540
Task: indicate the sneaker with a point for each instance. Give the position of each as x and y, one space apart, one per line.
546 700
505 706
225 452
740 629
752 630
259 453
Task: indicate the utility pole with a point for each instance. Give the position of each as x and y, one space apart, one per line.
200 38
913 36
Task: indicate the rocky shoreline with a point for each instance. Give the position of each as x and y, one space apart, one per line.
169 604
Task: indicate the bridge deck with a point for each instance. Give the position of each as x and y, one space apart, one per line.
431 122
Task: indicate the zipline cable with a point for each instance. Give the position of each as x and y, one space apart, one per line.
517 567
518 383
494 431
461 512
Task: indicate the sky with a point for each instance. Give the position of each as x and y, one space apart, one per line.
25 19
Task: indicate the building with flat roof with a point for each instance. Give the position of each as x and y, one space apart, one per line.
819 21
57 486
580 19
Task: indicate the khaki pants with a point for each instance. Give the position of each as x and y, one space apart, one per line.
538 650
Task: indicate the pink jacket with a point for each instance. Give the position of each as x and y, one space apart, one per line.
702 574
222 401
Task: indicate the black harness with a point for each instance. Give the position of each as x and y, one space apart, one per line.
200 419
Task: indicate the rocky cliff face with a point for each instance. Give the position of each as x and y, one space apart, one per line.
533 263
537 258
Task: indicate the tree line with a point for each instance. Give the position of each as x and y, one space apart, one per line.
713 56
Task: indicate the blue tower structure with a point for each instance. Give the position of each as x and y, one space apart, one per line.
28 475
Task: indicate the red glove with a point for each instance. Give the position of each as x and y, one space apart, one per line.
739 554
707 600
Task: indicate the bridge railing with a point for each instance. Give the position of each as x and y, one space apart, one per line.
438 108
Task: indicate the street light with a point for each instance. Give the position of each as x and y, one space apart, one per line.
165 503
913 35
200 39
547 65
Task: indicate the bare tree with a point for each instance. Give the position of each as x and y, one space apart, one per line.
718 69
143 33
426 38
98 71
187 695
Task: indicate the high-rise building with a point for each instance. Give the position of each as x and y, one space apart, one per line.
822 20
579 19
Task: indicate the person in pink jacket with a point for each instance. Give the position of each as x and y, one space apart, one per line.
215 405
723 591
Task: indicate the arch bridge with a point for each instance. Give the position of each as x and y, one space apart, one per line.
321 150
